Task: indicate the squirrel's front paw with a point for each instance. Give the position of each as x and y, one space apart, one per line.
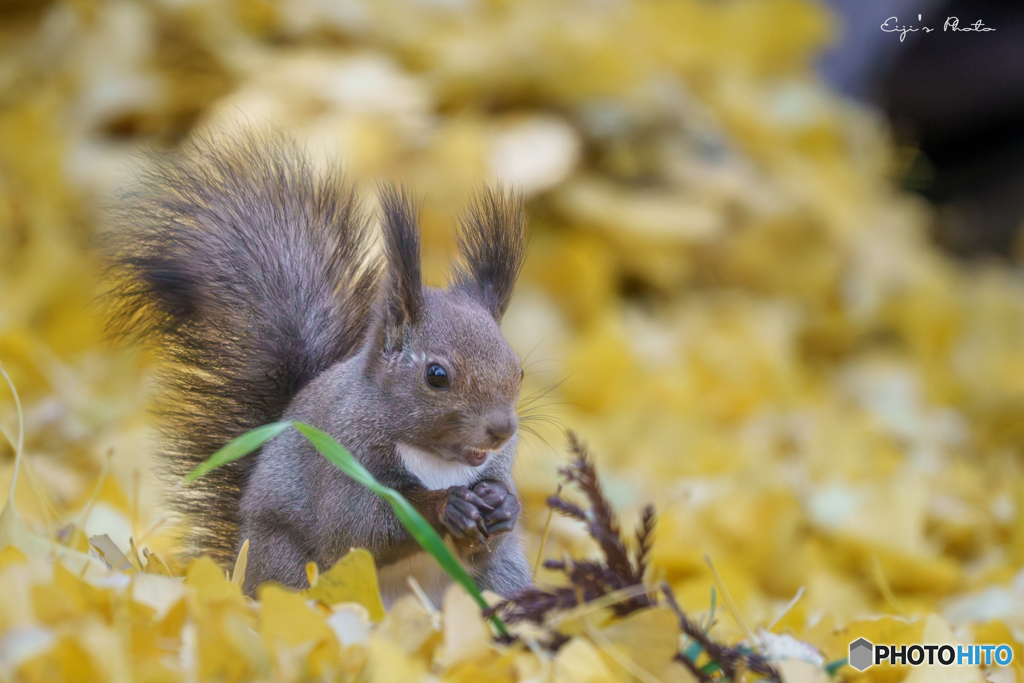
464 514
505 507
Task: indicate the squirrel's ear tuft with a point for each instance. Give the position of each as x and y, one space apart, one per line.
403 285
492 244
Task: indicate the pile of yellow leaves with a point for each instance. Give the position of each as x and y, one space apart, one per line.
726 296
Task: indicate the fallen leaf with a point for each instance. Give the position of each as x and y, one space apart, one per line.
353 578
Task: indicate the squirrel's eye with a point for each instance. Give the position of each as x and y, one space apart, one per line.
437 376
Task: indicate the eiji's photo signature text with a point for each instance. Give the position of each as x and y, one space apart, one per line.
952 24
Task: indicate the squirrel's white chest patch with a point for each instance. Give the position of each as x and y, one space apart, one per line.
436 473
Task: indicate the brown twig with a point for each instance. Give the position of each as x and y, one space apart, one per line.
608 582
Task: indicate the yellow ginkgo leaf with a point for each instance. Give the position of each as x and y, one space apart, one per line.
649 636
9 555
286 617
65 661
247 643
466 635
209 583
799 671
156 565
579 661
111 553
937 632
14 532
214 602
353 578
411 626
68 596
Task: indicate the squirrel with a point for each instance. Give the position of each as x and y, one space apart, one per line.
254 278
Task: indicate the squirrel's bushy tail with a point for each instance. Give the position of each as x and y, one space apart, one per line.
249 273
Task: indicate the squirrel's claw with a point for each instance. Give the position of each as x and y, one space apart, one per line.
492 493
481 513
504 517
481 526
470 497
462 515
506 507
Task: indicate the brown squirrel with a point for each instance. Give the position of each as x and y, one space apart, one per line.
253 275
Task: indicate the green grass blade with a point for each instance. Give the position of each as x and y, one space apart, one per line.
711 615
338 456
832 667
239 447
410 518
711 668
693 651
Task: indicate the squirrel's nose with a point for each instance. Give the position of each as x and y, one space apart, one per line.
500 427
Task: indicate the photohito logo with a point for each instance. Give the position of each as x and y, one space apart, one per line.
864 654
860 654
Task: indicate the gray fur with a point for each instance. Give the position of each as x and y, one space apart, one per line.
369 403
253 274
249 272
492 250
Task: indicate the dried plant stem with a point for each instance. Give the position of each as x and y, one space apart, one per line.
241 562
604 601
150 558
134 553
785 610
104 473
19 443
740 621
544 538
421 595
731 659
878 574
43 499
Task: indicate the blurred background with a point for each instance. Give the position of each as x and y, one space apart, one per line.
773 280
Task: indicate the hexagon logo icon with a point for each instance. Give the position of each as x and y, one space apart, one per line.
861 654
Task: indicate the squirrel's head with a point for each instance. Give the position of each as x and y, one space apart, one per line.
450 380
